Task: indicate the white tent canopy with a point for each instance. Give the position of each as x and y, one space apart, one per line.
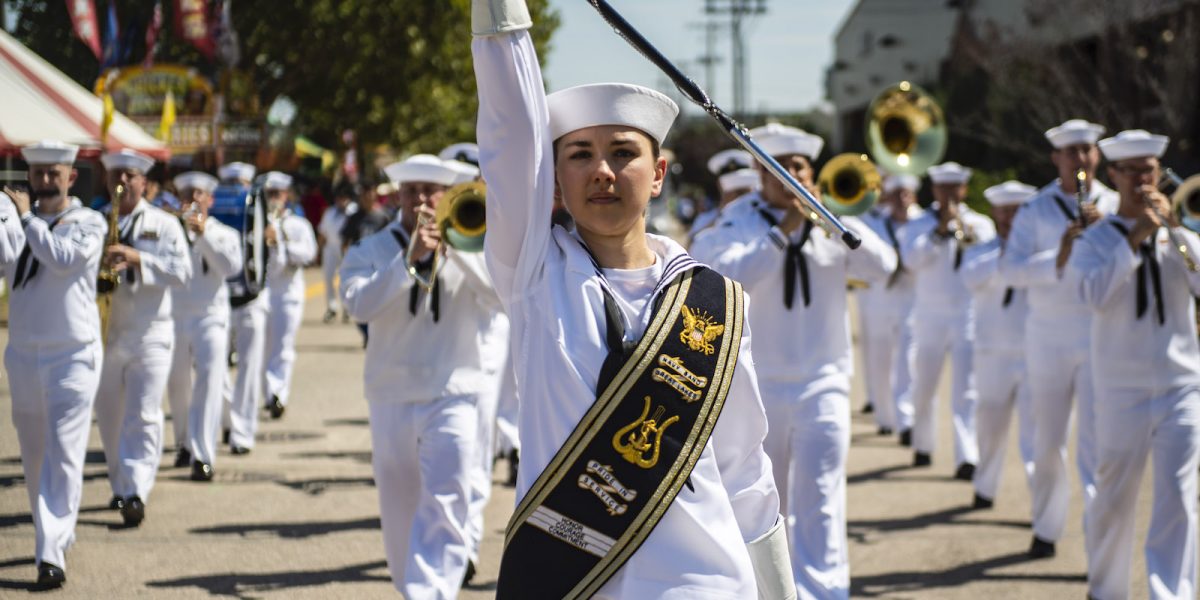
39 102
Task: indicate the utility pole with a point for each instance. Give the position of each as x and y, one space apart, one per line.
710 58
738 11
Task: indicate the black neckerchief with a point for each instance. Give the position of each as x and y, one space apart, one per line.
890 227
1008 297
187 238
1066 211
126 238
28 261
1149 266
794 262
435 293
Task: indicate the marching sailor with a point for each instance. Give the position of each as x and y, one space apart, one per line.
291 245
802 344
152 257
1059 365
329 238
883 312
999 350
54 346
424 375
735 178
626 350
1130 271
942 317
201 310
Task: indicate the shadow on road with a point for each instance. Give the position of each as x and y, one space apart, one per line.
918 581
291 530
349 422
248 585
358 457
316 487
860 530
330 348
15 519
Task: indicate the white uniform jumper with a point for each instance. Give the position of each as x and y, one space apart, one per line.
53 359
942 322
552 292
296 246
137 358
1057 334
999 358
201 312
425 371
883 315
1147 382
804 361
330 229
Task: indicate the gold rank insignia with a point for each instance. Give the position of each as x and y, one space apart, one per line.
699 330
647 438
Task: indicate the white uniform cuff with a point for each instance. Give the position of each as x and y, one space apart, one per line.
772 565
493 17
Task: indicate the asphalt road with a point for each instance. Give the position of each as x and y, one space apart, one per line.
299 516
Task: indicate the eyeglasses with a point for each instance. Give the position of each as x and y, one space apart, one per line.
1137 171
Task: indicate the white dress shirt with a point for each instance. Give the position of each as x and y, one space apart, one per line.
141 309
940 287
999 324
216 256
295 247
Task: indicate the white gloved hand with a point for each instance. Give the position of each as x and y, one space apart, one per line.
493 17
772 565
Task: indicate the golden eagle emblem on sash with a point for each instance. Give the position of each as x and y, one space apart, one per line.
699 330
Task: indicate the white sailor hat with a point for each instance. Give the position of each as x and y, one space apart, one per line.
466 171
423 167
236 171
1009 193
1134 143
611 104
127 159
950 172
49 152
195 180
731 159
464 152
274 180
780 140
741 179
902 181
1075 131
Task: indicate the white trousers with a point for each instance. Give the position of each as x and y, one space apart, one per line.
807 442
52 391
244 393
202 344
283 322
129 412
1002 390
507 438
1132 425
422 455
1059 367
933 337
886 339
481 473
331 259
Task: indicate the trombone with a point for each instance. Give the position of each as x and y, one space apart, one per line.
461 217
1186 199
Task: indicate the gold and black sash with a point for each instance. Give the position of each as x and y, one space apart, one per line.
631 453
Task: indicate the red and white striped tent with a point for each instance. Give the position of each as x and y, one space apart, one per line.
39 102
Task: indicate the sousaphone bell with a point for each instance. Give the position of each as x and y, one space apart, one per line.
906 130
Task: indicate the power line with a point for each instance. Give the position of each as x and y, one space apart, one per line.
738 10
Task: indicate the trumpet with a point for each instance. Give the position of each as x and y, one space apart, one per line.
109 278
461 217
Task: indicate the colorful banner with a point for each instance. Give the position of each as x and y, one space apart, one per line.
83 17
191 24
152 31
112 39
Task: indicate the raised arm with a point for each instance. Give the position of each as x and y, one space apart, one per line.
173 265
980 267
744 260
874 260
369 289
70 246
515 149
12 238
221 249
300 248
1023 263
1100 264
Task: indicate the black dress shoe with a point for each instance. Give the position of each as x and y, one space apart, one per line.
906 437
330 315
238 450
116 503
183 457
981 502
868 408
134 511
885 431
202 471
50 576
922 459
470 574
1041 548
345 317
514 460
276 407
965 472
225 433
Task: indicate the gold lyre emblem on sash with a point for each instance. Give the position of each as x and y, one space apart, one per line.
647 438
699 330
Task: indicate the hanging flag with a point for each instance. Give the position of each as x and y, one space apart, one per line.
83 17
106 118
228 48
152 31
191 24
168 118
112 38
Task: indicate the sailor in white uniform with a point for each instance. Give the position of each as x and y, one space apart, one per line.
54 347
425 372
201 311
596 149
1146 369
999 358
291 246
152 256
735 178
883 314
942 317
329 238
797 276
1058 328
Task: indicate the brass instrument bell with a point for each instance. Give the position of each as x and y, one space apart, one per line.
461 216
906 130
850 184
